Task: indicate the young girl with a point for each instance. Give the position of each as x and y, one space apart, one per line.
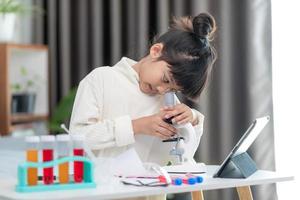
122 106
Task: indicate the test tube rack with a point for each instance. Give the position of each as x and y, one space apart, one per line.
88 178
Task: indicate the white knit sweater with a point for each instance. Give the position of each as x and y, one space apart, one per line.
106 101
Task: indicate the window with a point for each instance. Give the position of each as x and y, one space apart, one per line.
286 92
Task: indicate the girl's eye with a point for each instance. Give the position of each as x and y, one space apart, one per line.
165 80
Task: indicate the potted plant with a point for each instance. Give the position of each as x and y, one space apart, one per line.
24 92
9 9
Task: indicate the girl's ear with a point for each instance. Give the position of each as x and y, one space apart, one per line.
155 50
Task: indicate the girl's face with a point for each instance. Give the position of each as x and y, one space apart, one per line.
155 75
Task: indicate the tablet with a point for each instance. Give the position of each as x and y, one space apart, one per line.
245 142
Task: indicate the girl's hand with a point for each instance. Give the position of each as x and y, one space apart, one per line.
181 114
154 125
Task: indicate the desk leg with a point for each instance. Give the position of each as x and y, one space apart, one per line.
197 195
244 193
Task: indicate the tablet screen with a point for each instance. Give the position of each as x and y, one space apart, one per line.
246 140
249 138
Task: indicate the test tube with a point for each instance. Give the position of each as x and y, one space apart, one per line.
48 142
78 150
63 148
32 143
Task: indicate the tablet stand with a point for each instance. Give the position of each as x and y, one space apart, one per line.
239 166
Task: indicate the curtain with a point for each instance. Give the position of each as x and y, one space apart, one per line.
85 34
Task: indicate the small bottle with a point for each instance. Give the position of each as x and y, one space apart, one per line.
176 180
189 180
78 150
199 179
48 142
63 150
32 148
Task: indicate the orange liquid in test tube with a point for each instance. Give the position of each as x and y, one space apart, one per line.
64 173
32 173
63 150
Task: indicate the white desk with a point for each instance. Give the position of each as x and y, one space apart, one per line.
118 190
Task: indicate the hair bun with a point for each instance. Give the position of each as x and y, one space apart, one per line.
204 25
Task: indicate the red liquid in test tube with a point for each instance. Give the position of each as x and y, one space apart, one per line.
48 146
78 166
48 172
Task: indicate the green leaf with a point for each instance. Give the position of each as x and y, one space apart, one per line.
55 127
23 71
13 6
16 87
30 83
63 111
10 6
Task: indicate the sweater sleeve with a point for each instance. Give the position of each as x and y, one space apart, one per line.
198 127
86 118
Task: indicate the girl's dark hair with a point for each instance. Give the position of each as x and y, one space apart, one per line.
187 48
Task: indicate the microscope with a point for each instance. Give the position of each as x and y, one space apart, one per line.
185 134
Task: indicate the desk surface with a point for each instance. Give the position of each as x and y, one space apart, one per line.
117 190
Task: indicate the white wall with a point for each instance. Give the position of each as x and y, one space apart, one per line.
286 91
23 33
